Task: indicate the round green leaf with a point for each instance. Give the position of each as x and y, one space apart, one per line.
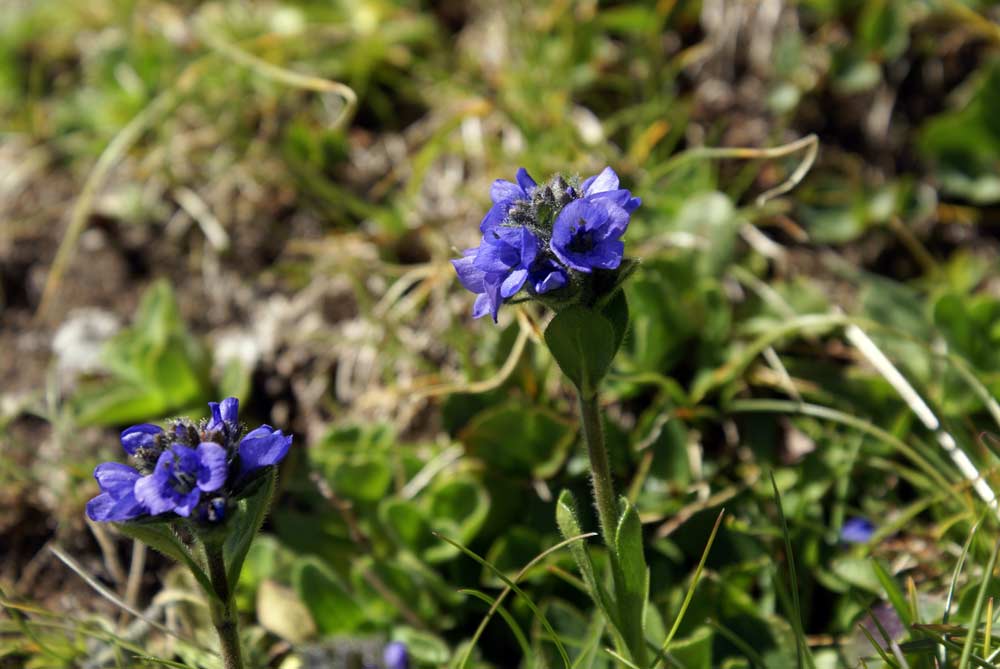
583 342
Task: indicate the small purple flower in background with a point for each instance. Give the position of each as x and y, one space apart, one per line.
857 531
192 468
395 656
544 238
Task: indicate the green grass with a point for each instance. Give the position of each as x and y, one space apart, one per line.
285 184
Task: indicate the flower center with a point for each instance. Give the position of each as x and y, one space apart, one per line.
182 481
581 239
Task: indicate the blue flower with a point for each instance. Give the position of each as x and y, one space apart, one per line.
605 186
192 466
117 501
507 258
139 436
181 475
545 237
504 195
512 256
587 234
394 656
263 447
857 531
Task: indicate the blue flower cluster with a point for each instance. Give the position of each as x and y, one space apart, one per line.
545 238
189 469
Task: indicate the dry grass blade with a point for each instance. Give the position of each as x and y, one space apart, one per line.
117 601
80 213
273 72
809 144
895 378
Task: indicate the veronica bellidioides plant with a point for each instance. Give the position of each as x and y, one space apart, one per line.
559 243
198 493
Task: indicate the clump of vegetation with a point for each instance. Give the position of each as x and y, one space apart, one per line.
265 200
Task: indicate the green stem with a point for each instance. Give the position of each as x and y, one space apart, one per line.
607 509
600 471
224 615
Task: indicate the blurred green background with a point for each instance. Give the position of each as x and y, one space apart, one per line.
192 205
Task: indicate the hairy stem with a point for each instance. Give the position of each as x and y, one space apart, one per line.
607 509
600 471
224 615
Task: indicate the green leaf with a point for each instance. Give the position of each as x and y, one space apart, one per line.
332 607
406 524
385 589
569 526
519 440
235 379
583 343
159 536
156 367
267 558
631 579
712 217
365 479
423 647
882 28
245 522
964 144
457 507
281 612
695 651
616 311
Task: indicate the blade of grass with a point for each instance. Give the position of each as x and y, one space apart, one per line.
689 595
833 415
988 634
878 648
513 586
503 595
515 629
23 624
593 642
166 663
892 591
948 643
619 658
115 599
919 407
271 71
748 651
977 610
808 144
802 647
